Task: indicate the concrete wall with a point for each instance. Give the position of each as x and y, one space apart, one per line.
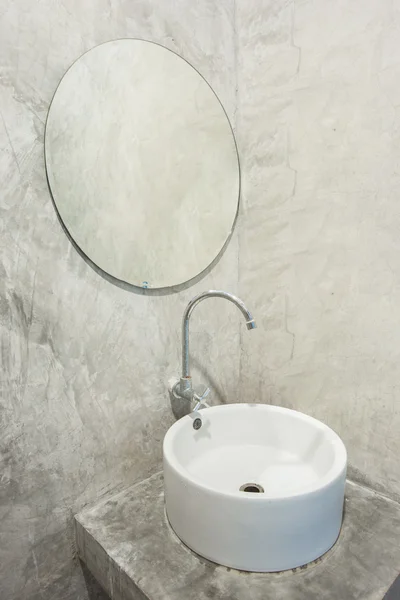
319 134
84 364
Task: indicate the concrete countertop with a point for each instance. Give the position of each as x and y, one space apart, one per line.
129 547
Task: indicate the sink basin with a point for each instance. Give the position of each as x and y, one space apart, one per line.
255 487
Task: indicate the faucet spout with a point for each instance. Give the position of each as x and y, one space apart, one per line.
250 324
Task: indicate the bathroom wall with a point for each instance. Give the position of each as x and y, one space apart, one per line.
84 364
319 134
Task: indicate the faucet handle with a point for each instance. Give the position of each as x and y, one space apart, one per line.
201 396
199 399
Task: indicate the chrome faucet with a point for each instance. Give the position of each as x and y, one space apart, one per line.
183 387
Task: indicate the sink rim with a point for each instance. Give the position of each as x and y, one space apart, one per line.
334 473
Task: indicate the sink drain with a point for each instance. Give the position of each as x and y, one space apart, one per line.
255 488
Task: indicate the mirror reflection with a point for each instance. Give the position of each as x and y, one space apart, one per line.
142 163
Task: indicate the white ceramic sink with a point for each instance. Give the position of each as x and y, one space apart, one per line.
298 461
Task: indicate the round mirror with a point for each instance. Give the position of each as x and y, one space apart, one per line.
142 163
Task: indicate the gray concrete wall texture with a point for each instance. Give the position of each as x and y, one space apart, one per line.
85 364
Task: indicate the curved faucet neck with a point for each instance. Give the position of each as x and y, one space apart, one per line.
250 322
